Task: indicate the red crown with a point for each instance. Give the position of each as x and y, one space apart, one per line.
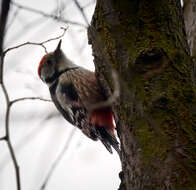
40 64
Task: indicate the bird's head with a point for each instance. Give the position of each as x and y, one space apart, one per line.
51 64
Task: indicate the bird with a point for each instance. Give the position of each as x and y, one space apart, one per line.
78 96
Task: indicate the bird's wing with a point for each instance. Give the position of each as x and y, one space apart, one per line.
66 113
75 115
86 86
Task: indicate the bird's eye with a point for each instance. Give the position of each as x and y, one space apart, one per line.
49 62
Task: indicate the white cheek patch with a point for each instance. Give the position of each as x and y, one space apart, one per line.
47 72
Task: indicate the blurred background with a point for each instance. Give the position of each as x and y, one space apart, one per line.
38 132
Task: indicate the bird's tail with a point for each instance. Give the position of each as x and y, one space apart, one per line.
103 120
108 139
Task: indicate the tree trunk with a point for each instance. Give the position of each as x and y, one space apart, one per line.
145 41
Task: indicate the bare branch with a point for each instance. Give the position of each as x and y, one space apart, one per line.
48 15
29 98
24 44
58 37
37 44
58 159
3 138
88 4
7 137
81 11
17 169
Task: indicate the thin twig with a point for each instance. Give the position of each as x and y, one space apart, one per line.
58 159
24 44
88 4
48 15
81 11
29 98
3 138
56 38
7 137
37 44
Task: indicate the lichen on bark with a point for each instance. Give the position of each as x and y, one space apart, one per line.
145 42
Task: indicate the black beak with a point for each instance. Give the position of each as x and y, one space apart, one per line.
58 48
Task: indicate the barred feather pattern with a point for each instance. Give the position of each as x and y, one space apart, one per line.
82 122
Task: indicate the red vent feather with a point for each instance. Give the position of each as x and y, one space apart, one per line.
103 118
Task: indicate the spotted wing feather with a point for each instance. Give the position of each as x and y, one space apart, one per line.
75 115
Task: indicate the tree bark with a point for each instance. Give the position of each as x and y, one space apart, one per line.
145 41
190 24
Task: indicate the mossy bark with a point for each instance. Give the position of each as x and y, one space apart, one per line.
145 41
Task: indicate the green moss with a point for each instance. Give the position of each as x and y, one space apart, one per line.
153 145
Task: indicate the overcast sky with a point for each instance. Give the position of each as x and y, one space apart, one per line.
38 133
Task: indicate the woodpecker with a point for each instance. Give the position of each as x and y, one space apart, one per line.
78 97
